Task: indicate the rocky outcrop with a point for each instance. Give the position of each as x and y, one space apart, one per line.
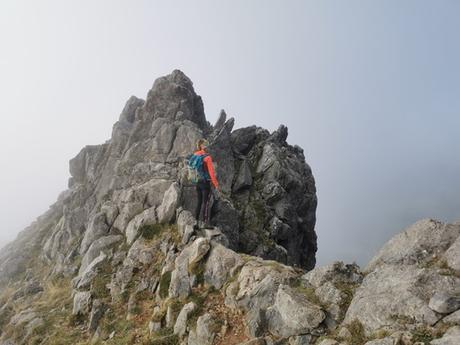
118 259
409 281
138 178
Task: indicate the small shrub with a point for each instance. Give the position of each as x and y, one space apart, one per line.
422 335
75 320
150 231
98 285
197 269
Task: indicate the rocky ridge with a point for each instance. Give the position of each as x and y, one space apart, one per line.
116 259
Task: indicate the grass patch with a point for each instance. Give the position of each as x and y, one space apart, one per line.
197 269
348 291
165 280
308 292
153 231
99 284
173 303
358 336
199 299
381 333
164 336
150 231
403 319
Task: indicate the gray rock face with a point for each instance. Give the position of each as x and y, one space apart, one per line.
417 244
406 282
395 292
452 257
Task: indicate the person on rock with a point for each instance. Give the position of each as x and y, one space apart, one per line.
203 186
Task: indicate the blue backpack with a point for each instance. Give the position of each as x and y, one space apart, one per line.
196 170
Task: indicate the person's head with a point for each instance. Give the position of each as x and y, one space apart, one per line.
202 144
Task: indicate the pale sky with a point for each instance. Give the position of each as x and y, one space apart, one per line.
369 89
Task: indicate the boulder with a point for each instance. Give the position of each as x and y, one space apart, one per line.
444 303
180 285
292 314
96 248
220 265
147 217
84 279
166 211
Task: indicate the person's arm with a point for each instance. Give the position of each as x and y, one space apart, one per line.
210 166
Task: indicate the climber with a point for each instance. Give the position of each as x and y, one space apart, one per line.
203 185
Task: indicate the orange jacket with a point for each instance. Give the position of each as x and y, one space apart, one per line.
209 167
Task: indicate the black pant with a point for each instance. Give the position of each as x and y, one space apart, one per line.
203 189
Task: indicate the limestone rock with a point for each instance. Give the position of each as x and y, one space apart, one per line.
451 337
220 265
138 177
205 331
453 318
86 277
167 209
181 322
452 255
392 292
180 285
97 228
147 217
292 314
81 303
444 303
417 244
97 311
96 248
328 342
